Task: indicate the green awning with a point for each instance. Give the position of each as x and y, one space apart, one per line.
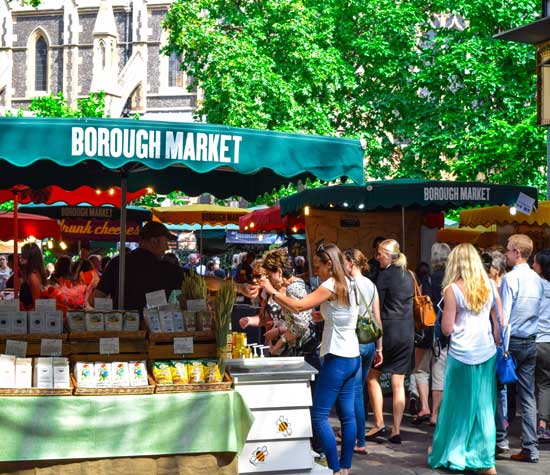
190 157
407 193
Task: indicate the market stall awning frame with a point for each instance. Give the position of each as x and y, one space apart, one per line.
213 215
501 215
405 193
270 219
190 157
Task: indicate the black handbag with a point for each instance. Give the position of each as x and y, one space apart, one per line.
440 341
310 341
367 328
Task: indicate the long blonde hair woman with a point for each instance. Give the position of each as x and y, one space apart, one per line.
466 439
396 291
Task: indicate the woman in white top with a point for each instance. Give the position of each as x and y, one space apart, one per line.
465 435
339 349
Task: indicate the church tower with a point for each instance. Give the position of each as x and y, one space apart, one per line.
6 53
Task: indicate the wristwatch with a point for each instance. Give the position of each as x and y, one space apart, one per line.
274 293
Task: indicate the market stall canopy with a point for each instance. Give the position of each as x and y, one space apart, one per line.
479 237
404 193
62 211
190 157
501 215
199 214
29 225
270 219
82 194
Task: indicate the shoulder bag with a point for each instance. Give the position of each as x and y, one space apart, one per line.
367 328
423 309
505 366
440 341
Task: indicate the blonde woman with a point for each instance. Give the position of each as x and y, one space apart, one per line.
465 435
396 290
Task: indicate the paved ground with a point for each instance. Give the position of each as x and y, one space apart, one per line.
409 458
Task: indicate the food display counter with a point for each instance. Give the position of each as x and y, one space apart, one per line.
277 391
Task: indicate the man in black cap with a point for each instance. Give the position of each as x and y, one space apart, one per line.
145 271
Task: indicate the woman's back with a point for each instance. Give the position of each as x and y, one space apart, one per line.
396 291
472 339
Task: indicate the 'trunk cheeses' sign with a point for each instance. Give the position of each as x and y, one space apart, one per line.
457 193
154 144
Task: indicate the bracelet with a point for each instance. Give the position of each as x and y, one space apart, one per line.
274 293
379 351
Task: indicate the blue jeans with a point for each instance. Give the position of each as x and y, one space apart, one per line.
367 351
524 352
336 384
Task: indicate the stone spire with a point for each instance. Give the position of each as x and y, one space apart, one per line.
105 22
105 55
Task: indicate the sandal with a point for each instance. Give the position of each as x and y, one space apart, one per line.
360 450
418 420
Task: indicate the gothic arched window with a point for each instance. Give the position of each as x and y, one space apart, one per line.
102 54
41 65
175 74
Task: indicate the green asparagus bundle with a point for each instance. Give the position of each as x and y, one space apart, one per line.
193 286
223 307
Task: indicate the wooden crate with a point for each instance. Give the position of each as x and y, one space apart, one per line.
161 345
88 342
34 340
225 385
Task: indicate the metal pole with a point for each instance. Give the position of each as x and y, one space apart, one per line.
548 163
122 255
403 230
15 239
201 249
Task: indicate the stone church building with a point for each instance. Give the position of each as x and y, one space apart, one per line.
82 46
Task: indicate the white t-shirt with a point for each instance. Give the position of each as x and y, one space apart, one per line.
339 336
366 291
472 340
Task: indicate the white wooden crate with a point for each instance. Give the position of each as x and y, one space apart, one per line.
280 424
272 456
276 395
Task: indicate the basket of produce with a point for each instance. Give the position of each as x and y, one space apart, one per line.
112 378
189 376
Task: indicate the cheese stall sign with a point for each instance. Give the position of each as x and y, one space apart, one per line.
457 193
150 144
96 230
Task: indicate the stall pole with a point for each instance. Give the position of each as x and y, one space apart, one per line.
548 163
201 248
15 239
122 254
403 229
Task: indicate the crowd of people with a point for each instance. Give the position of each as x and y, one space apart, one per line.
477 294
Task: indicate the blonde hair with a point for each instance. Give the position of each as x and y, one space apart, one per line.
465 263
523 243
391 246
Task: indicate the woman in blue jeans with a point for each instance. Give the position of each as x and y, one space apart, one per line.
339 349
357 266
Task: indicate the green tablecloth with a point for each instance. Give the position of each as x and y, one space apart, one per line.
73 427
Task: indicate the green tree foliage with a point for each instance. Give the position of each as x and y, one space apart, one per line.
433 96
57 106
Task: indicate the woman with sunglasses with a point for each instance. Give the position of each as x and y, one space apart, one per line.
339 348
396 290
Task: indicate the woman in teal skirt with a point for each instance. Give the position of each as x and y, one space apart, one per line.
465 434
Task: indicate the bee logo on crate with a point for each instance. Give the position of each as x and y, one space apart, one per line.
283 426
259 455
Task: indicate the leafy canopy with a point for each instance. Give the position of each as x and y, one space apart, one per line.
423 82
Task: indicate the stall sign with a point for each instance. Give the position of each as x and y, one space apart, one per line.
96 230
457 193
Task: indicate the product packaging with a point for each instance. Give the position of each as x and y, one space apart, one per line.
166 321
95 322
179 372
151 316
138 373
177 318
113 321
53 321
61 373
85 375
23 372
119 374
103 375
7 371
19 320
76 321
6 323
43 372
190 321
131 322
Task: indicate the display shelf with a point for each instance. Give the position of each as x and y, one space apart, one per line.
34 342
162 337
37 391
114 391
89 342
166 351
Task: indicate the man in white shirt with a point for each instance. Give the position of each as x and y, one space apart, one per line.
521 292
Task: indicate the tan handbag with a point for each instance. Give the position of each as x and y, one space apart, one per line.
423 308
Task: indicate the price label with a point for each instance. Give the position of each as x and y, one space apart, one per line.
51 347
109 346
156 299
9 305
183 345
44 305
196 305
16 348
103 304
